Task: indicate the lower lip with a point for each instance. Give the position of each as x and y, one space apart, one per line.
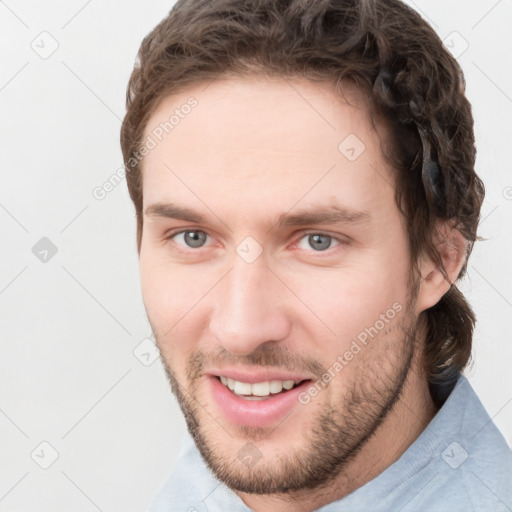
255 413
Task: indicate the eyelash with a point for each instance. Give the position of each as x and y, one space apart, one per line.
172 234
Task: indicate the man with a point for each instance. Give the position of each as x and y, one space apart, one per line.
303 178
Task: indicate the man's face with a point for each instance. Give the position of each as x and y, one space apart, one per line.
295 267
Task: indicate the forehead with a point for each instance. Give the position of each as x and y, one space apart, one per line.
261 113
271 142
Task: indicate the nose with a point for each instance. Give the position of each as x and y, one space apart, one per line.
250 308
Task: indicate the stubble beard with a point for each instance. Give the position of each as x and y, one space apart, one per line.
335 437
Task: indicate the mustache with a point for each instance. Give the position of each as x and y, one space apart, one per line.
280 359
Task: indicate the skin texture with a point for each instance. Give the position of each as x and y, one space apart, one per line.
251 150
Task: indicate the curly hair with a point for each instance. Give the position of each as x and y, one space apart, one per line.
396 59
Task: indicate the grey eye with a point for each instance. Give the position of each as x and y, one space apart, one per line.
194 239
319 242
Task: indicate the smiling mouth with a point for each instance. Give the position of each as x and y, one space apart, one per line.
259 390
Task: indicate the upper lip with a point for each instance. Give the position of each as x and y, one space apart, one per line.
252 376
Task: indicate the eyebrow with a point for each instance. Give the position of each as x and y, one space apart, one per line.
172 211
322 215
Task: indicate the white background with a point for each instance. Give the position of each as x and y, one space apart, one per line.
68 374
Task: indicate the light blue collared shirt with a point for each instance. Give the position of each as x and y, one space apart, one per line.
460 462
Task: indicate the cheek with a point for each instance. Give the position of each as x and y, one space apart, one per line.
350 299
175 297
379 282
167 304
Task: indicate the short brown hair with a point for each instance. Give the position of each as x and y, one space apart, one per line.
395 58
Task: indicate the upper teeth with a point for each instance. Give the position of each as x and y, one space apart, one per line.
258 388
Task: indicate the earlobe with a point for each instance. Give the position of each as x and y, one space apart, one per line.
452 248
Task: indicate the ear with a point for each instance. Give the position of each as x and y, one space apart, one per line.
452 248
